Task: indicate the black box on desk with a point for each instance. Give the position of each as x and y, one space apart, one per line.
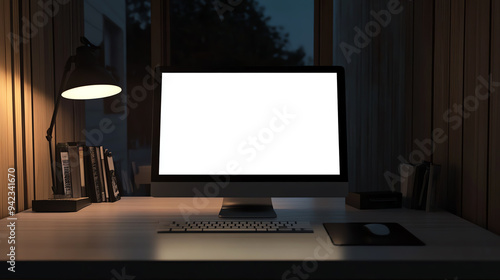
60 204
374 200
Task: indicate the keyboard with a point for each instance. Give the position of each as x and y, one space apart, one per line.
235 226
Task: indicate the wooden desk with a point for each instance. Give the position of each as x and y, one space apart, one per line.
102 239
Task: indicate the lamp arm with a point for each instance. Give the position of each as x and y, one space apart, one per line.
67 68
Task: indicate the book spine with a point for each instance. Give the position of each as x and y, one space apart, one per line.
59 183
407 172
112 175
95 174
431 194
418 185
423 192
74 163
99 171
82 171
104 175
89 176
66 173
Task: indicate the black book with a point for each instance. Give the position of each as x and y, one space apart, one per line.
93 183
104 173
431 191
99 171
407 172
89 182
420 170
425 185
114 193
63 170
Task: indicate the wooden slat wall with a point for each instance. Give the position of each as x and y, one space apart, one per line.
494 143
375 87
63 47
441 51
77 24
6 115
454 52
422 77
42 79
475 139
160 33
441 90
323 28
457 27
29 73
18 114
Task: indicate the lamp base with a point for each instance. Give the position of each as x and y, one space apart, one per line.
60 204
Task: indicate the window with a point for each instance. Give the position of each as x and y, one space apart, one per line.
225 32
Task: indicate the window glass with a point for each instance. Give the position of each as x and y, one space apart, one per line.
237 32
122 31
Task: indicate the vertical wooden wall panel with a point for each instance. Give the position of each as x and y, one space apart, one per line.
43 100
18 114
456 55
441 93
398 106
408 81
27 91
494 143
422 75
4 148
396 40
28 114
63 48
475 139
9 157
76 18
376 145
360 70
8 153
160 33
375 74
325 32
344 16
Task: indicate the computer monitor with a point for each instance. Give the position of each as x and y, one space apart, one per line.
248 134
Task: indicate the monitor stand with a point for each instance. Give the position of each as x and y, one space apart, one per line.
235 207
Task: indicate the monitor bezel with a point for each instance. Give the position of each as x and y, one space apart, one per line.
342 177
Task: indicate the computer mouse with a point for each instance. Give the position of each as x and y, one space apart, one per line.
377 229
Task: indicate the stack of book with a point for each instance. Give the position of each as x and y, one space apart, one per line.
418 185
85 171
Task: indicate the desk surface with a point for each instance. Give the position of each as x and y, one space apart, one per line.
110 235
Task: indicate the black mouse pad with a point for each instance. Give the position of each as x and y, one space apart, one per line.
355 234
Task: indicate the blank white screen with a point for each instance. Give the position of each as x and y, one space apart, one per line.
249 124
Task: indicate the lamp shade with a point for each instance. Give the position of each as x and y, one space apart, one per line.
89 80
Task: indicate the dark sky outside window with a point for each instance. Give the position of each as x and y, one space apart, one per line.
297 18
251 32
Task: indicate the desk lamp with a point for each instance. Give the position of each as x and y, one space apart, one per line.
89 80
